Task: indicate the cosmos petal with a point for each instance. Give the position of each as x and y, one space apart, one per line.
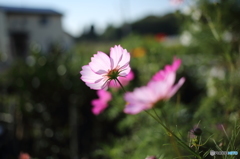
176 64
170 79
134 109
159 89
104 95
98 106
100 63
89 76
175 88
119 57
101 104
99 85
125 72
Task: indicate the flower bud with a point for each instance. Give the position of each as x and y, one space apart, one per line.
197 131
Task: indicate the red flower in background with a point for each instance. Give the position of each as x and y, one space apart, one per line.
24 156
160 37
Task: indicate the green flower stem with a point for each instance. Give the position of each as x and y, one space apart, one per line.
172 134
212 28
120 85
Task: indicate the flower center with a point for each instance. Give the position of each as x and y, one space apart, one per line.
113 74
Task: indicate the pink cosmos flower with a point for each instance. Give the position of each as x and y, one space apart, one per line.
161 87
123 80
161 75
100 104
103 68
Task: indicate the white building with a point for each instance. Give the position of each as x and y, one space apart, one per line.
20 27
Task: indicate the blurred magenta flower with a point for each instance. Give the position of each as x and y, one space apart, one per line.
160 87
123 80
24 156
102 102
103 68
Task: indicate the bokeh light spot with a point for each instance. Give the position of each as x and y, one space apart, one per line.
30 60
61 70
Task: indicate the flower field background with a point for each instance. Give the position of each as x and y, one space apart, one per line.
51 106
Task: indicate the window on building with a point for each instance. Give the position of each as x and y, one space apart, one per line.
19 43
44 20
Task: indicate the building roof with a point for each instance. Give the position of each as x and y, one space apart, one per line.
23 10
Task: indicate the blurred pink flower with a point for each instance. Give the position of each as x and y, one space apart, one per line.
160 87
102 68
102 102
24 156
161 75
123 80
176 2
151 157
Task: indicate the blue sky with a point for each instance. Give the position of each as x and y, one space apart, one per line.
80 14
